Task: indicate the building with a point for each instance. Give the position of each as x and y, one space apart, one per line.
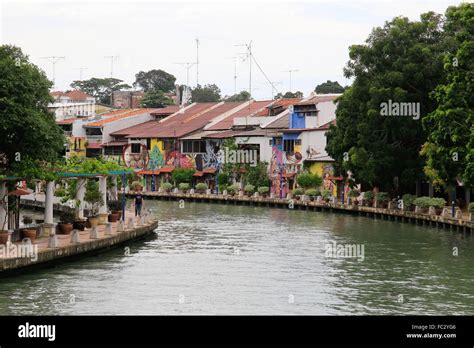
72 104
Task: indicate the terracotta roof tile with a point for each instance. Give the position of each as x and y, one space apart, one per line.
119 116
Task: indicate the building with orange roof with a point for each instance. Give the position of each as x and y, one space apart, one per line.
71 104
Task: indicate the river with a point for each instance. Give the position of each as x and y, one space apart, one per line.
226 259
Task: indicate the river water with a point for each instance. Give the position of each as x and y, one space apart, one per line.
225 259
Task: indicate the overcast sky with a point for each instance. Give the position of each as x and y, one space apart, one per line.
312 37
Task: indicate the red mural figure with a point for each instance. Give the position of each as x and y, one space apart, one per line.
178 159
276 177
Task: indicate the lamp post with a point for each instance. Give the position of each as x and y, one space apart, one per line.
153 165
124 184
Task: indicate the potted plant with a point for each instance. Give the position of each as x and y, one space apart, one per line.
297 193
263 190
66 223
115 207
94 198
422 204
438 204
353 194
29 232
381 199
408 200
166 186
233 189
249 189
326 194
368 198
312 193
201 187
184 186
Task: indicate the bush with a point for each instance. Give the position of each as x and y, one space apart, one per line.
422 202
166 186
182 175
263 190
308 180
471 207
297 192
408 200
381 197
312 192
249 188
201 186
368 196
67 217
326 194
114 205
60 192
184 186
233 188
438 203
222 179
354 193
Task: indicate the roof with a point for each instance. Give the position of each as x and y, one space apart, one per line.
319 99
327 125
284 103
118 116
258 132
70 120
171 109
135 129
94 146
77 95
222 134
115 143
253 108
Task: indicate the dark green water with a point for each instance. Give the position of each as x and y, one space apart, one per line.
218 259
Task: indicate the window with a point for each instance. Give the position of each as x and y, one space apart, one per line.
187 146
289 145
297 141
194 146
136 147
278 141
148 144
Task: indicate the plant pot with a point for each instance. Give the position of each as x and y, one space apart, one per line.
93 221
113 217
80 225
30 234
65 228
3 237
118 212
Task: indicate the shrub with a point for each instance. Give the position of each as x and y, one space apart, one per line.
326 194
233 188
114 205
354 193
422 202
381 197
93 196
201 186
437 202
222 179
184 186
408 200
312 192
297 192
471 207
249 188
263 190
308 180
368 196
67 217
166 186
60 192
181 175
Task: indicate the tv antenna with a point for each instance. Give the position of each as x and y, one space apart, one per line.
187 65
249 57
291 71
112 59
80 72
54 60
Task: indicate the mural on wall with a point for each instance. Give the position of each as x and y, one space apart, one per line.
177 159
328 171
276 165
135 160
210 159
312 153
157 160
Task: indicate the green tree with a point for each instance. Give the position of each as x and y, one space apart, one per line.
399 62
257 175
450 145
308 180
242 96
329 87
181 175
155 99
100 88
155 80
28 131
207 93
296 94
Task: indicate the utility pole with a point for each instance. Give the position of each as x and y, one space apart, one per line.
54 60
112 58
197 62
273 84
187 65
290 72
80 72
235 58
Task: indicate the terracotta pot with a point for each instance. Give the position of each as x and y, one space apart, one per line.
118 212
29 233
93 221
65 228
80 225
3 237
113 217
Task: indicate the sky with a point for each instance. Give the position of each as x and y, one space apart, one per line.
312 37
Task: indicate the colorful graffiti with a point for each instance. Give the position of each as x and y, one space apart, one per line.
157 160
136 160
177 159
276 171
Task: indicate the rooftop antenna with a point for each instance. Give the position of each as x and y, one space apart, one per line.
187 65
54 60
112 58
80 72
290 72
249 57
235 58
197 62
273 84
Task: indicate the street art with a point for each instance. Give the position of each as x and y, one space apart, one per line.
135 160
177 159
328 171
210 159
157 159
276 171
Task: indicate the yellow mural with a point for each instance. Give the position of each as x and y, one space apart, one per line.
77 147
324 169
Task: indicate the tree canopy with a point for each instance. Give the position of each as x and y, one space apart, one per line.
155 79
242 96
329 87
28 131
155 99
207 93
400 62
297 94
100 88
